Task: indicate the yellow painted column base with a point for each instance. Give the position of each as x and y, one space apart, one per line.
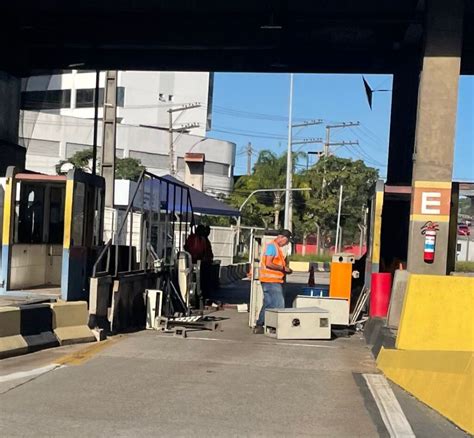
444 380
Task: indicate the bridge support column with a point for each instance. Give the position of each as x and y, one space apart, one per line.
396 207
434 138
11 154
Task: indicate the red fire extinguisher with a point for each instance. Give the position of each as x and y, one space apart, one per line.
429 230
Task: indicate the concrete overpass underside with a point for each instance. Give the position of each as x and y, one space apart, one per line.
333 36
425 44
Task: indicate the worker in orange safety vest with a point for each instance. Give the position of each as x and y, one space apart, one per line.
273 272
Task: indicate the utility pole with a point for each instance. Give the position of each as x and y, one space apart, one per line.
171 130
289 163
249 151
328 144
96 122
109 133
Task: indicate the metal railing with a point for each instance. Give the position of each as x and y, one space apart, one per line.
174 203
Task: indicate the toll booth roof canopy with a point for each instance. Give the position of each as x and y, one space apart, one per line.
205 204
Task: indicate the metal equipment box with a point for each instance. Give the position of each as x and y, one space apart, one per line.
338 308
343 257
307 323
340 280
154 302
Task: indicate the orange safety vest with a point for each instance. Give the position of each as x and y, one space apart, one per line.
269 275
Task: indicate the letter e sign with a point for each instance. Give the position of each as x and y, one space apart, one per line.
430 203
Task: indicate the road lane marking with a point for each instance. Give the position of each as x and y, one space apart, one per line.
30 373
389 408
233 341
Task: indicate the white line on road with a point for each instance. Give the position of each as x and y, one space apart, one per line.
290 344
390 410
30 373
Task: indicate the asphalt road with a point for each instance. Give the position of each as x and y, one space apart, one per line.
222 384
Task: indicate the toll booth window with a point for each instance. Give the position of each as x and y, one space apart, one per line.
56 215
98 217
78 214
30 215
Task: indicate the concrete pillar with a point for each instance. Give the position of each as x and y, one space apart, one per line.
11 154
396 207
434 138
403 123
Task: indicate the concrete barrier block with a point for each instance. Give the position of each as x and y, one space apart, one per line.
437 314
224 275
70 322
299 266
399 287
36 326
11 341
440 379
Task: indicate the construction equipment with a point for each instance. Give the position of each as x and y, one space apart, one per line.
306 323
198 322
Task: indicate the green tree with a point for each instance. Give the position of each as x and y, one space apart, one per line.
125 168
263 209
80 160
128 168
325 179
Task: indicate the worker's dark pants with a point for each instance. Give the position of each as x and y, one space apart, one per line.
272 299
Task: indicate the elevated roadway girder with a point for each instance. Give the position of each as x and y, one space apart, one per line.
323 36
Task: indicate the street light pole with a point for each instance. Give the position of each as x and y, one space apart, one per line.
289 163
336 246
239 219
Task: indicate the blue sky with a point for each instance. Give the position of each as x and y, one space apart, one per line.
254 107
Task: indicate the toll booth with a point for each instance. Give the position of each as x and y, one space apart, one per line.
51 233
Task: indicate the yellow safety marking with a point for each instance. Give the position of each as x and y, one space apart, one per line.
82 356
433 184
429 217
7 211
420 327
377 227
440 379
68 213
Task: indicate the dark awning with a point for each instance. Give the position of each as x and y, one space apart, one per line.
205 204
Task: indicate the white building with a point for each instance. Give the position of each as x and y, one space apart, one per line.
50 138
143 98
58 113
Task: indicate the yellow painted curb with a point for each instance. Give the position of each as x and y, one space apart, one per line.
86 354
444 380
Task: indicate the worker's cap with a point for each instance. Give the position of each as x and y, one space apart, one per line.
288 234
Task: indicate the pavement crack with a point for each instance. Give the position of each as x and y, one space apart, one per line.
31 379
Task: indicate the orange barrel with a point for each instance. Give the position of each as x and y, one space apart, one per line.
381 287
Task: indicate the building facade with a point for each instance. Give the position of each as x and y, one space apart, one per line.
58 111
51 138
143 98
